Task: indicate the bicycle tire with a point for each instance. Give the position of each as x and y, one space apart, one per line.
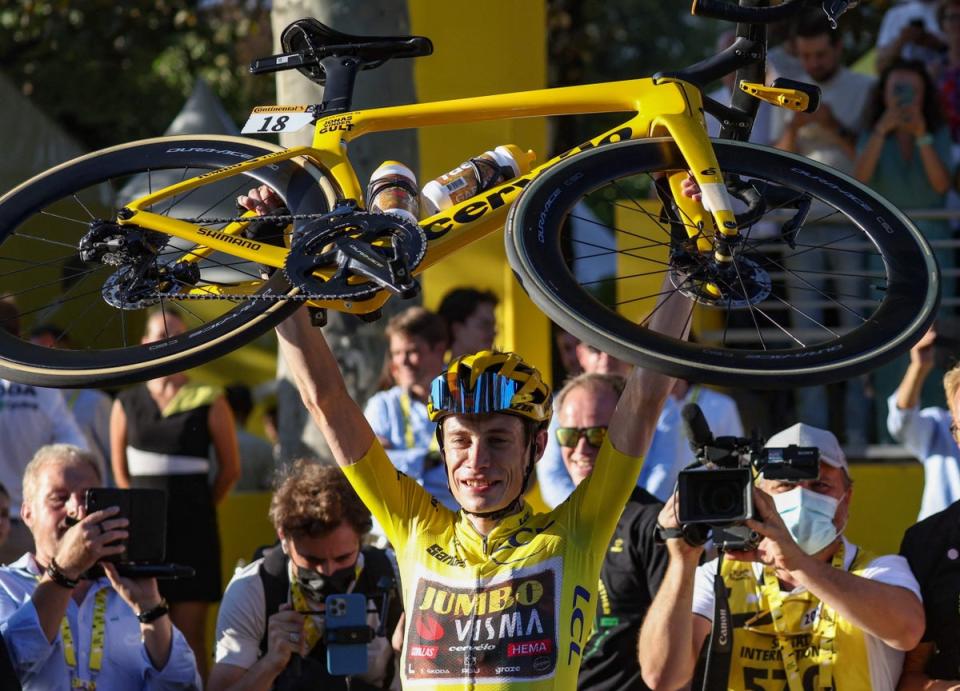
91 175
907 298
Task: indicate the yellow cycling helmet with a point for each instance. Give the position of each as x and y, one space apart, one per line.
490 382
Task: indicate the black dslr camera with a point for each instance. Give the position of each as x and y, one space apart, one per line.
716 492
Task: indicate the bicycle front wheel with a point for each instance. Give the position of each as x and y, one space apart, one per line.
88 315
828 281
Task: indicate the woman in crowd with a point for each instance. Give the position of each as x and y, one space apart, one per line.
904 154
160 437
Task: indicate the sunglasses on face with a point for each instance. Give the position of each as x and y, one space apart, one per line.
570 436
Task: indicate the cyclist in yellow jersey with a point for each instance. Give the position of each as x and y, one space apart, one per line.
808 610
496 596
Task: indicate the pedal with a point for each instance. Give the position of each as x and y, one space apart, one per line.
318 316
786 93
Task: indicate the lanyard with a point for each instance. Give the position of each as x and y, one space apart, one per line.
825 625
97 639
310 629
408 439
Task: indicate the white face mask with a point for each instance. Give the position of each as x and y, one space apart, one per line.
809 517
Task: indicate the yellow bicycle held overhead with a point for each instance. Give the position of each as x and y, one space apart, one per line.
593 234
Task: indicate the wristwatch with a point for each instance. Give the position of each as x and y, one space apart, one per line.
154 613
59 577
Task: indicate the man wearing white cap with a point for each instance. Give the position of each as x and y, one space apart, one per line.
806 610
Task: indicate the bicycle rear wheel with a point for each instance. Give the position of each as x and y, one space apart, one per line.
97 310
592 240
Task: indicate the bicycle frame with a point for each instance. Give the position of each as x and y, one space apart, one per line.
662 107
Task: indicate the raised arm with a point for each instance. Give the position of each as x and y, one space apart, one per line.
921 364
635 418
317 375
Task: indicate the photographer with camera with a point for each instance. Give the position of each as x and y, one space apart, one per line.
806 607
65 630
271 630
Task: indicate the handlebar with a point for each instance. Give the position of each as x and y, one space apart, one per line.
727 11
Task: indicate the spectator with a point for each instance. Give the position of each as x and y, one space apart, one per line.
669 450
90 407
905 153
4 514
929 434
470 319
823 604
30 417
634 565
909 31
160 434
554 480
51 614
829 136
321 524
417 342
905 157
931 548
256 455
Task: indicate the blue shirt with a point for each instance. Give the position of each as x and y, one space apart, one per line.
926 435
40 665
385 413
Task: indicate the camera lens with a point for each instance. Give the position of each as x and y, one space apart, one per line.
722 499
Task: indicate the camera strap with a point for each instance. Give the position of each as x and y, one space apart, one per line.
825 624
716 668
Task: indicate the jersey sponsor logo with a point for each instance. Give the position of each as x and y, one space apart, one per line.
423 651
502 554
436 551
429 628
504 629
581 598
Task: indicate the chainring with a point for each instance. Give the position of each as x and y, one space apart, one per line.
346 240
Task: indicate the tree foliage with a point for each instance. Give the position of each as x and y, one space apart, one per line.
114 71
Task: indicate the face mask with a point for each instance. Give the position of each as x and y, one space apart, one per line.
318 586
809 517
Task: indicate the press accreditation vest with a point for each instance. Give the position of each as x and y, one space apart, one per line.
815 635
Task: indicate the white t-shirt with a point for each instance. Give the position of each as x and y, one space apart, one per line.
847 94
892 569
241 626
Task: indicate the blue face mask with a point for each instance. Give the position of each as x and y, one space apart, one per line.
809 517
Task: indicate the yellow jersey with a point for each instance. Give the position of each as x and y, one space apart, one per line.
509 610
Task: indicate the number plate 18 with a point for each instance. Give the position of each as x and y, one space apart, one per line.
271 119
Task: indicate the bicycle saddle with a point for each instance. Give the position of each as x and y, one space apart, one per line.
317 41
